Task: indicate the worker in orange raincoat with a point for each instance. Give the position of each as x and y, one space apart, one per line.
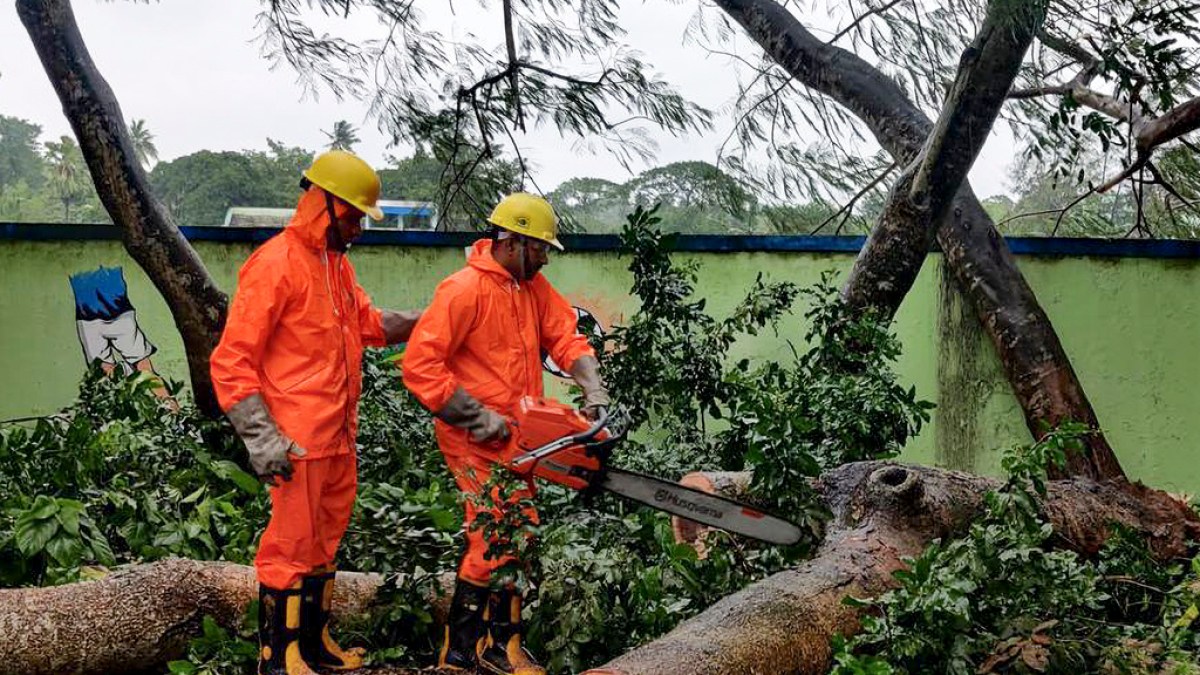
474 354
288 374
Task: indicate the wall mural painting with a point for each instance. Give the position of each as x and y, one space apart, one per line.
107 324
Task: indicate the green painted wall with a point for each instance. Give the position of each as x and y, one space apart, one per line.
1129 324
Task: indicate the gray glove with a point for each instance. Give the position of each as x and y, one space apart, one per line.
586 373
466 412
267 446
398 326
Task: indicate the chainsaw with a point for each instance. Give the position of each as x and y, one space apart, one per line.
555 442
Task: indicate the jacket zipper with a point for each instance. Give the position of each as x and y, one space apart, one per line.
338 314
516 288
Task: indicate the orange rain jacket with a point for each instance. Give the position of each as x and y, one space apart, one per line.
296 332
485 332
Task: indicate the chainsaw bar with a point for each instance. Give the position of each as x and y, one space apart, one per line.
692 504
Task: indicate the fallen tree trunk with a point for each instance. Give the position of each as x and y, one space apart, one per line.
138 619
882 512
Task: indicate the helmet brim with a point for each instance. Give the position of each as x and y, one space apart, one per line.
553 242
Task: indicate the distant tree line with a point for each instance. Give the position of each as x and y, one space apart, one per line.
46 181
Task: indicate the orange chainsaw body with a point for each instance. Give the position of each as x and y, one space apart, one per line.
539 421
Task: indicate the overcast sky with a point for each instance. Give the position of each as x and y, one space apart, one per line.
193 70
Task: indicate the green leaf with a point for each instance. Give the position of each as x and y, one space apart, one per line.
232 472
101 549
33 535
195 495
43 507
68 517
445 520
66 551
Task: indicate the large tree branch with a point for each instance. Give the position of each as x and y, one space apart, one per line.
986 73
1150 134
1033 358
147 229
1068 48
887 266
1090 62
1178 121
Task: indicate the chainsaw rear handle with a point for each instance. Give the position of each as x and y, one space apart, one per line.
581 438
600 424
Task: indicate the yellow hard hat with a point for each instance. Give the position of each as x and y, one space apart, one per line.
529 215
343 174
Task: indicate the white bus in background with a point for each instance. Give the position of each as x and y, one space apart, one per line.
397 215
255 216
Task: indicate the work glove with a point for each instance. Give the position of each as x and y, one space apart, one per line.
466 412
586 373
398 326
267 446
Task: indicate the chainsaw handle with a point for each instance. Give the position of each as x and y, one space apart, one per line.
559 443
595 429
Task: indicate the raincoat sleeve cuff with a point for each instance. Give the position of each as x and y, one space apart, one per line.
372 329
575 353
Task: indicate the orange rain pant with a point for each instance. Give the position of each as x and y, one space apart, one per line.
309 515
470 473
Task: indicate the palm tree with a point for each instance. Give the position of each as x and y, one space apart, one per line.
343 137
143 143
67 171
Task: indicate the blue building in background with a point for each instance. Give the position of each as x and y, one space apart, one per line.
407 215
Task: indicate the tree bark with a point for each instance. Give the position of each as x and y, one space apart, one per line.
148 231
140 618
1033 358
882 512
887 266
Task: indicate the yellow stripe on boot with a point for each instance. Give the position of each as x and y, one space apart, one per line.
504 654
318 645
279 632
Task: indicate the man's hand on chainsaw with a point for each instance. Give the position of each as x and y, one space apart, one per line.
489 426
593 412
466 412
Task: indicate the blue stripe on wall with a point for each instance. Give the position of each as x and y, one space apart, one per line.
716 243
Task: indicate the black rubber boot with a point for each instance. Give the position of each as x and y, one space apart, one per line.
503 654
279 632
464 626
316 646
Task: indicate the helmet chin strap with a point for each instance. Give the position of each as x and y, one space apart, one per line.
520 263
333 235
526 263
